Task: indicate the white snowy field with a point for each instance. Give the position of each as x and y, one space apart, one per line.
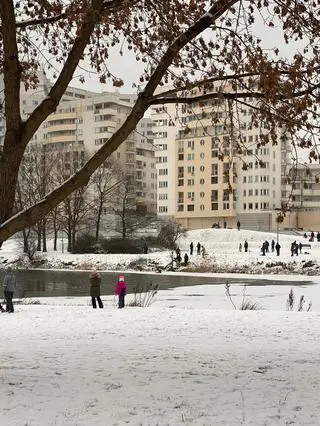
189 358
176 362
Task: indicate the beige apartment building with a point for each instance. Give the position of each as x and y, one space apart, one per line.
222 172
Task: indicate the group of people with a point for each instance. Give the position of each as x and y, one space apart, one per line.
312 236
120 291
200 249
296 248
264 248
179 258
10 285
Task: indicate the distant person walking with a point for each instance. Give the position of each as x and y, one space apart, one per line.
278 247
95 281
273 243
186 259
238 225
245 245
121 291
9 287
240 247
191 248
198 248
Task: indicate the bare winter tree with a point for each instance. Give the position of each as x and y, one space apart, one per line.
104 184
197 46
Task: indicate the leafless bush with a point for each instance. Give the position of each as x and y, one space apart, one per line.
143 296
246 304
301 303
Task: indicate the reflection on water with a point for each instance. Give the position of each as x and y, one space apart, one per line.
46 283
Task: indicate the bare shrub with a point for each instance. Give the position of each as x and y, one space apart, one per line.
300 305
143 296
169 233
246 304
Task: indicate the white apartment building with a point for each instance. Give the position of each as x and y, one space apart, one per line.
83 122
165 131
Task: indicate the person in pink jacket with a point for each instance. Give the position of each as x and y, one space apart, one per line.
121 290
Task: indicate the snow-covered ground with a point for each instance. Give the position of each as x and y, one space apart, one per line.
222 255
189 358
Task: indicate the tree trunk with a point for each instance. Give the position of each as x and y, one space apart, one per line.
39 233
99 220
55 239
44 235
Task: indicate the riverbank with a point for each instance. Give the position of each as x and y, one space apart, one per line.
221 255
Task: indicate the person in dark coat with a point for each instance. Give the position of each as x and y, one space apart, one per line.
121 291
238 225
95 281
9 287
186 259
300 247
245 245
278 247
273 243
191 248
198 248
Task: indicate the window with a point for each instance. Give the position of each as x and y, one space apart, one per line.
190 182
201 194
191 196
191 144
214 199
180 146
190 207
226 171
180 172
202 142
214 174
201 207
215 143
180 207
201 168
226 196
201 181
180 197
202 155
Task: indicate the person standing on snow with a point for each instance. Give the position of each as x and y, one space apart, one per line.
191 248
9 287
95 281
121 290
198 248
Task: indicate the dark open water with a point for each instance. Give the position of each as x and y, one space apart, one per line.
46 283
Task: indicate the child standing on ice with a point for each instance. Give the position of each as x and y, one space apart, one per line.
121 290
